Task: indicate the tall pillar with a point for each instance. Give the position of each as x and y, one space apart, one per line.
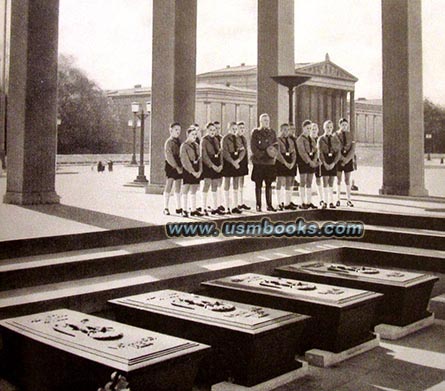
275 56
173 76
208 111
314 104
252 122
352 117
321 116
223 117
374 124
32 103
403 144
4 63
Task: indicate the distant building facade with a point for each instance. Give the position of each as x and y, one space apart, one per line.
229 94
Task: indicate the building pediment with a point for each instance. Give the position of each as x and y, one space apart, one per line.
325 68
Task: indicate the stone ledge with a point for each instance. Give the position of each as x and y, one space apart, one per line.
387 331
323 358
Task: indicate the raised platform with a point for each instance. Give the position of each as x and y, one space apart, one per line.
391 332
323 358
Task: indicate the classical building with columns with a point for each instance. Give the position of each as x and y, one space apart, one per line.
230 94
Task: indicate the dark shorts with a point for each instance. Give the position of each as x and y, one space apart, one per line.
348 167
325 172
282 170
189 179
229 170
305 168
264 172
171 172
244 169
208 173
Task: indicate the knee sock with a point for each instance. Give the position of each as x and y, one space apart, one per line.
338 191
302 194
279 196
348 192
320 192
184 203
220 194
326 194
166 199
193 202
331 192
235 198
214 200
241 195
309 195
288 195
227 199
204 199
178 200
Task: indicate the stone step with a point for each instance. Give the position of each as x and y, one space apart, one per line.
91 240
91 294
30 271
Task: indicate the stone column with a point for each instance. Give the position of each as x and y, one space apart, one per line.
352 117
32 103
223 117
4 63
366 128
374 122
208 111
314 104
173 77
275 57
252 122
321 115
236 112
403 143
329 113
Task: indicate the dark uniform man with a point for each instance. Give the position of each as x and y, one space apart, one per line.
264 146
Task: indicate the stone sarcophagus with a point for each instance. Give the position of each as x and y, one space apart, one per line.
406 294
68 350
341 318
250 344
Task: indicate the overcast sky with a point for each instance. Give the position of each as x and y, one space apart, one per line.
111 39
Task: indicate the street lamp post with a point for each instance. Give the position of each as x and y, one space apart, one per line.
133 125
429 137
138 112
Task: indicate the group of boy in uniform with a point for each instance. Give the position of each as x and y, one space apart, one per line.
221 163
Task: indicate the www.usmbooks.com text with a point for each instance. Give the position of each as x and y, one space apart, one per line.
267 228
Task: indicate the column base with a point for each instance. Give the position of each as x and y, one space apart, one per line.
396 190
153 188
141 179
35 198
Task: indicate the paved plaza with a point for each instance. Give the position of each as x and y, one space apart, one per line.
92 201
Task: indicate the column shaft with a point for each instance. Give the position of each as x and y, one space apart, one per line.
275 56
403 143
173 75
32 103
